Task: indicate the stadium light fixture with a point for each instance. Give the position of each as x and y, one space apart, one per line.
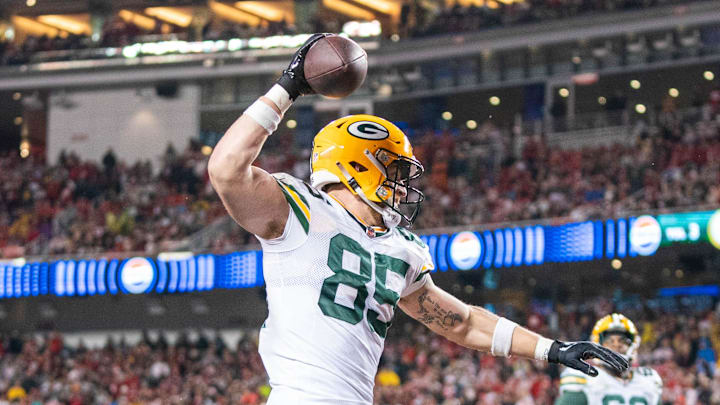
170 15
635 84
261 9
233 14
66 24
640 108
708 75
673 92
494 100
140 20
383 6
33 27
346 8
447 115
471 124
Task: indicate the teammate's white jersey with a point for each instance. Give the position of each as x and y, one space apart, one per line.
332 287
644 387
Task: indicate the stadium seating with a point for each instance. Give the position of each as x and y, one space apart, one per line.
81 207
418 367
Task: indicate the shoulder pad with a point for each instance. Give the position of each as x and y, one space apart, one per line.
297 197
411 236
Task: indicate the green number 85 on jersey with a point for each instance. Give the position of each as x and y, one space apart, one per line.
340 244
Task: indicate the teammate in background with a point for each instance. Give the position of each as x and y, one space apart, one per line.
336 263
636 386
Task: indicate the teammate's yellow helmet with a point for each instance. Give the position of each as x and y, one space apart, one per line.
374 159
620 324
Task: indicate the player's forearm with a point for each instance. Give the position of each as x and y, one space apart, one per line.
237 149
242 142
479 330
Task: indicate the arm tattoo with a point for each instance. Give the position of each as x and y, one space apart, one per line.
431 313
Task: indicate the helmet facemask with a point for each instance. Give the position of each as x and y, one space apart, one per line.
396 192
627 339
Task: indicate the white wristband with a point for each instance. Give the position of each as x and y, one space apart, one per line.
280 97
502 337
264 115
542 348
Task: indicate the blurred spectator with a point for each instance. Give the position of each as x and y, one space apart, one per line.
417 367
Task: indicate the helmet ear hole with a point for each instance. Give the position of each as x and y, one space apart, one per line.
358 167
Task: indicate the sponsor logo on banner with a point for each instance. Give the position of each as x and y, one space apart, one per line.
465 250
645 235
137 275
713 229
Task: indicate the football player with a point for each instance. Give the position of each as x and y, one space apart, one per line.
635 386
336 262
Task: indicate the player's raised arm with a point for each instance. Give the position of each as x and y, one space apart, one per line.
251 196
479 329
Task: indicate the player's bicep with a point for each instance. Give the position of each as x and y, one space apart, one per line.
437 309
257 203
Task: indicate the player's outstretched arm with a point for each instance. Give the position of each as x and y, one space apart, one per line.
480 329
252 197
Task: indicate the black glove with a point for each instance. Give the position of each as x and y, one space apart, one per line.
574 354
293 78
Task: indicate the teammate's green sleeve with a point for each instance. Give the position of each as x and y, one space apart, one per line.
572 398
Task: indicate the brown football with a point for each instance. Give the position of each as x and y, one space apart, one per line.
335 66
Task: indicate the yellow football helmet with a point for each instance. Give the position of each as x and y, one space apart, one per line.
619 324
374 159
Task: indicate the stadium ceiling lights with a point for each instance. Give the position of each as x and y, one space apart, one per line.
170 15
33 27
262 10
383 6
233 14
140 20
66 23
348 9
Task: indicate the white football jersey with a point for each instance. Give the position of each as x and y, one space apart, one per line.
643 388
332 287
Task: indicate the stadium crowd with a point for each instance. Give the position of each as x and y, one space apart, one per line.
453 17
417 19
83 207
473 177
417 366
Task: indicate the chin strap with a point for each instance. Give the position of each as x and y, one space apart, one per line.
391 219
